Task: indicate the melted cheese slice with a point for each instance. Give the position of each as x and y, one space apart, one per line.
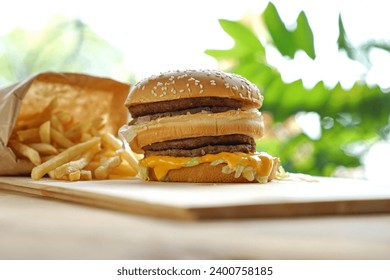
262 163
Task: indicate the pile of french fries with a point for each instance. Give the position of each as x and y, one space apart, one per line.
66 150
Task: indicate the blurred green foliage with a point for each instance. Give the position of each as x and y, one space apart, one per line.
350 119
65 45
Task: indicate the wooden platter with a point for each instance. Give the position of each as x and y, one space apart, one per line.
296 196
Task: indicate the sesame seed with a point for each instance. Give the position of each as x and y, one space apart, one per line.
201 86
191 79
227 85
201 91
159 84
143 87
187 85
182 90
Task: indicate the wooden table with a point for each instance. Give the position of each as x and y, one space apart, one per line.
34 227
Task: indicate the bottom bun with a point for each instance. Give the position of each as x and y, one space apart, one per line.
205 173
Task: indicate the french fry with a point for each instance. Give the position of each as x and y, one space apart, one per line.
46 158
102 171
32 122
30 116
76 165
85 175
47 111
26 151
130 159
44 132
44 148
28 135
60 139
123 170
85 136
99 123
64 157
104 154
112 176
74 176
64 117
75 132
51 174
55 123
111 142
92 165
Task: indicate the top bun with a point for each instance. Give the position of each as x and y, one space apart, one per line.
191 84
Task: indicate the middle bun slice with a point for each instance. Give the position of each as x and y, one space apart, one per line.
194 125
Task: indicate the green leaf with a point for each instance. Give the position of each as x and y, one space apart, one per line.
246 42
258 73
245 39
286 41
222 54
343 42
281 37
303 36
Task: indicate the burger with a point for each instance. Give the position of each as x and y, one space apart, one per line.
198 126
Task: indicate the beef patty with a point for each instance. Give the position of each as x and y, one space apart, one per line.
199 146
183 104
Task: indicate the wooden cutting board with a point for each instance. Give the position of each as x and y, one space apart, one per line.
281 198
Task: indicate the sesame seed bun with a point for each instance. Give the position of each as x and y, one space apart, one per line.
191 84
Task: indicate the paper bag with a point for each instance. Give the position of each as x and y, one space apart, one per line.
85 97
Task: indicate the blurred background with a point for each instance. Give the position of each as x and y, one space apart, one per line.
323 66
